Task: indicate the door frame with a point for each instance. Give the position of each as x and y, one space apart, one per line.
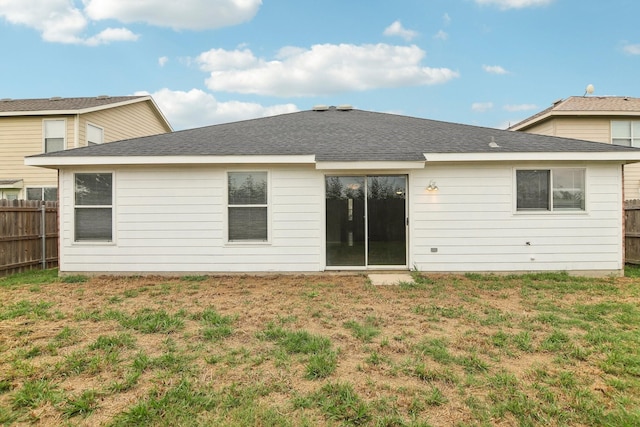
366 266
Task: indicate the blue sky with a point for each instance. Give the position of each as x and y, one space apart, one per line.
481 62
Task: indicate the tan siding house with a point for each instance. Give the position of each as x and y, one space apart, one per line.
34 126
607 119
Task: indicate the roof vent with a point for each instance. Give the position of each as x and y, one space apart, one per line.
320 107
493 143
103 97
344 107
556 102
6 99
55 98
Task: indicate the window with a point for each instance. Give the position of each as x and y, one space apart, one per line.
93 207
625 132
9 194
247 210
54 131
550 190
95 135
48 194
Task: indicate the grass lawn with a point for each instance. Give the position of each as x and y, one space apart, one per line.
295 350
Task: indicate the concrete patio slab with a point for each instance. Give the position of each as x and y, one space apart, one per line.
379 279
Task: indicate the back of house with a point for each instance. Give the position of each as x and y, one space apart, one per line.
335 189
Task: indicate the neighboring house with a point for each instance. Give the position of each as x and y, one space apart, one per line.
33 126
607 119
341 189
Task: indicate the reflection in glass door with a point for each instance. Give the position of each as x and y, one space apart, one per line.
386 220
366 231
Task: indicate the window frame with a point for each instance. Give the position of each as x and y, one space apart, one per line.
552 210
228 206
44 134
634 140
100 128
111 206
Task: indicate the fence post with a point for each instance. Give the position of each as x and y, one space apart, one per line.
43 228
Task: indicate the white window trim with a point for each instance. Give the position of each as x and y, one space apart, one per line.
632 138
87 132
551 211
113 211
44 133
226 210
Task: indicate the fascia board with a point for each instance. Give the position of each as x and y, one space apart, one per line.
624 157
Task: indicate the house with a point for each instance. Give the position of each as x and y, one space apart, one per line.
606 119
33 126
341 189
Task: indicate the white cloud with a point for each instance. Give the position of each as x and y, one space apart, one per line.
396 29
57 20
520 107
494 69
320 70
514 4
632 49
441 35
229 60
183 14
60 21
481 107
196 108
111 35
446 19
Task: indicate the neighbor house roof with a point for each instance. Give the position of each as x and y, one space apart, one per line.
82 105
335 135
584 106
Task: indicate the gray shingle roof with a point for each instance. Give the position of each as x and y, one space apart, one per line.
335 135
60 104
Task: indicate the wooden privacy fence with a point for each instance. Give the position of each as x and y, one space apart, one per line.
632 231
28 235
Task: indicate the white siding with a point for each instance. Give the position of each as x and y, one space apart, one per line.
173 219
470 223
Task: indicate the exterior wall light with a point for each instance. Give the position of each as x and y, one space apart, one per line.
432 186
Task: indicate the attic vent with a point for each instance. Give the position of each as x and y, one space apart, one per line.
6 99
493 143
55 98
103 97
320 108
344 107
556 102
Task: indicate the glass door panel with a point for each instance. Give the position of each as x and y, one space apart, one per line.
386 220
345 203
366 231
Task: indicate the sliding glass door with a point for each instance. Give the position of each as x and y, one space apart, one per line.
366 221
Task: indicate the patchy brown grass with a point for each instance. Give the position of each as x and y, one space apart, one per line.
447 350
